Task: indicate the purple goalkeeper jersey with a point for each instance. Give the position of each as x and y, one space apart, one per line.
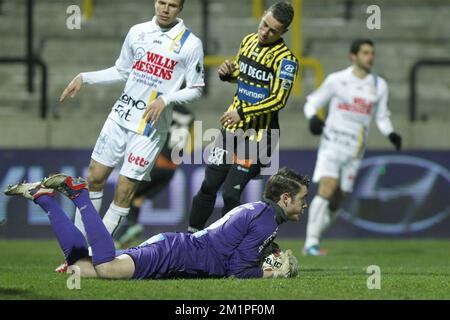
231 246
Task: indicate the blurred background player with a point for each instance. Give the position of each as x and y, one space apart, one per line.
264 70
355 95
157 57
161 175
232 246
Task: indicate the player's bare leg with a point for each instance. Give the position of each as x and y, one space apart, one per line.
328 187
337 200
97 176
125 190
319 215
334 206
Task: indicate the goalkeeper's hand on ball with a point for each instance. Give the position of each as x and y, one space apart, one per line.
282 264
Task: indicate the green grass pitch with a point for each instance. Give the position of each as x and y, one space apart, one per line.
410 269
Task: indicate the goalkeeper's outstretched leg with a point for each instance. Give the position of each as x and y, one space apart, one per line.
104 263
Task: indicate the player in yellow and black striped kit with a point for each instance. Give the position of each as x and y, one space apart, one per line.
264 70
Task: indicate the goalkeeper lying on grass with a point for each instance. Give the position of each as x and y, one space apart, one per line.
236 245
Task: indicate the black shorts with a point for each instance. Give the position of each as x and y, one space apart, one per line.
237 148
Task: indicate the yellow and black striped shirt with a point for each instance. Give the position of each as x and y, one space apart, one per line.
265 76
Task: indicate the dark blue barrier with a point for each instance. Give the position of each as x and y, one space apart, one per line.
396 194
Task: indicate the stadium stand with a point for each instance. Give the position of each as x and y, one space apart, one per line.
327 27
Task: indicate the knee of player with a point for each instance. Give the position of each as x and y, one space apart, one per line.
208 188
95 184
326 194
231 195
97 176
328 190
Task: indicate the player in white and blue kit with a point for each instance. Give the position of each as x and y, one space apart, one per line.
355 96
157 57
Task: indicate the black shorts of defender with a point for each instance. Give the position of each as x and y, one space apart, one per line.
234 160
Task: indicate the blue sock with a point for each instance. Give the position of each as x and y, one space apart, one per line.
98 236
70 239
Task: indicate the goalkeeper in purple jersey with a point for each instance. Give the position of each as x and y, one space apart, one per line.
235 245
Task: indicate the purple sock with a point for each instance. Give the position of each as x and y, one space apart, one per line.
99 238
70 239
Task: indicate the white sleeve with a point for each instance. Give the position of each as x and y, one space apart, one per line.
110 75
319 98
119 72
182 96
195 74
194 77
382 112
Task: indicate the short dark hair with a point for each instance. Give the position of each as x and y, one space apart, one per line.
285 180
357 43
181 4
283 12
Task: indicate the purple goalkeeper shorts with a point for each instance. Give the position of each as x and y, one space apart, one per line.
150 258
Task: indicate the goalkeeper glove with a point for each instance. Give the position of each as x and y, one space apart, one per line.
293 266
289 266
396 140
316 125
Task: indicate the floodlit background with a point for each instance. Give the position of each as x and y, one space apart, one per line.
398 218
39 55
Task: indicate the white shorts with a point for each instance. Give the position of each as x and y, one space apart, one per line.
135 154
333 164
